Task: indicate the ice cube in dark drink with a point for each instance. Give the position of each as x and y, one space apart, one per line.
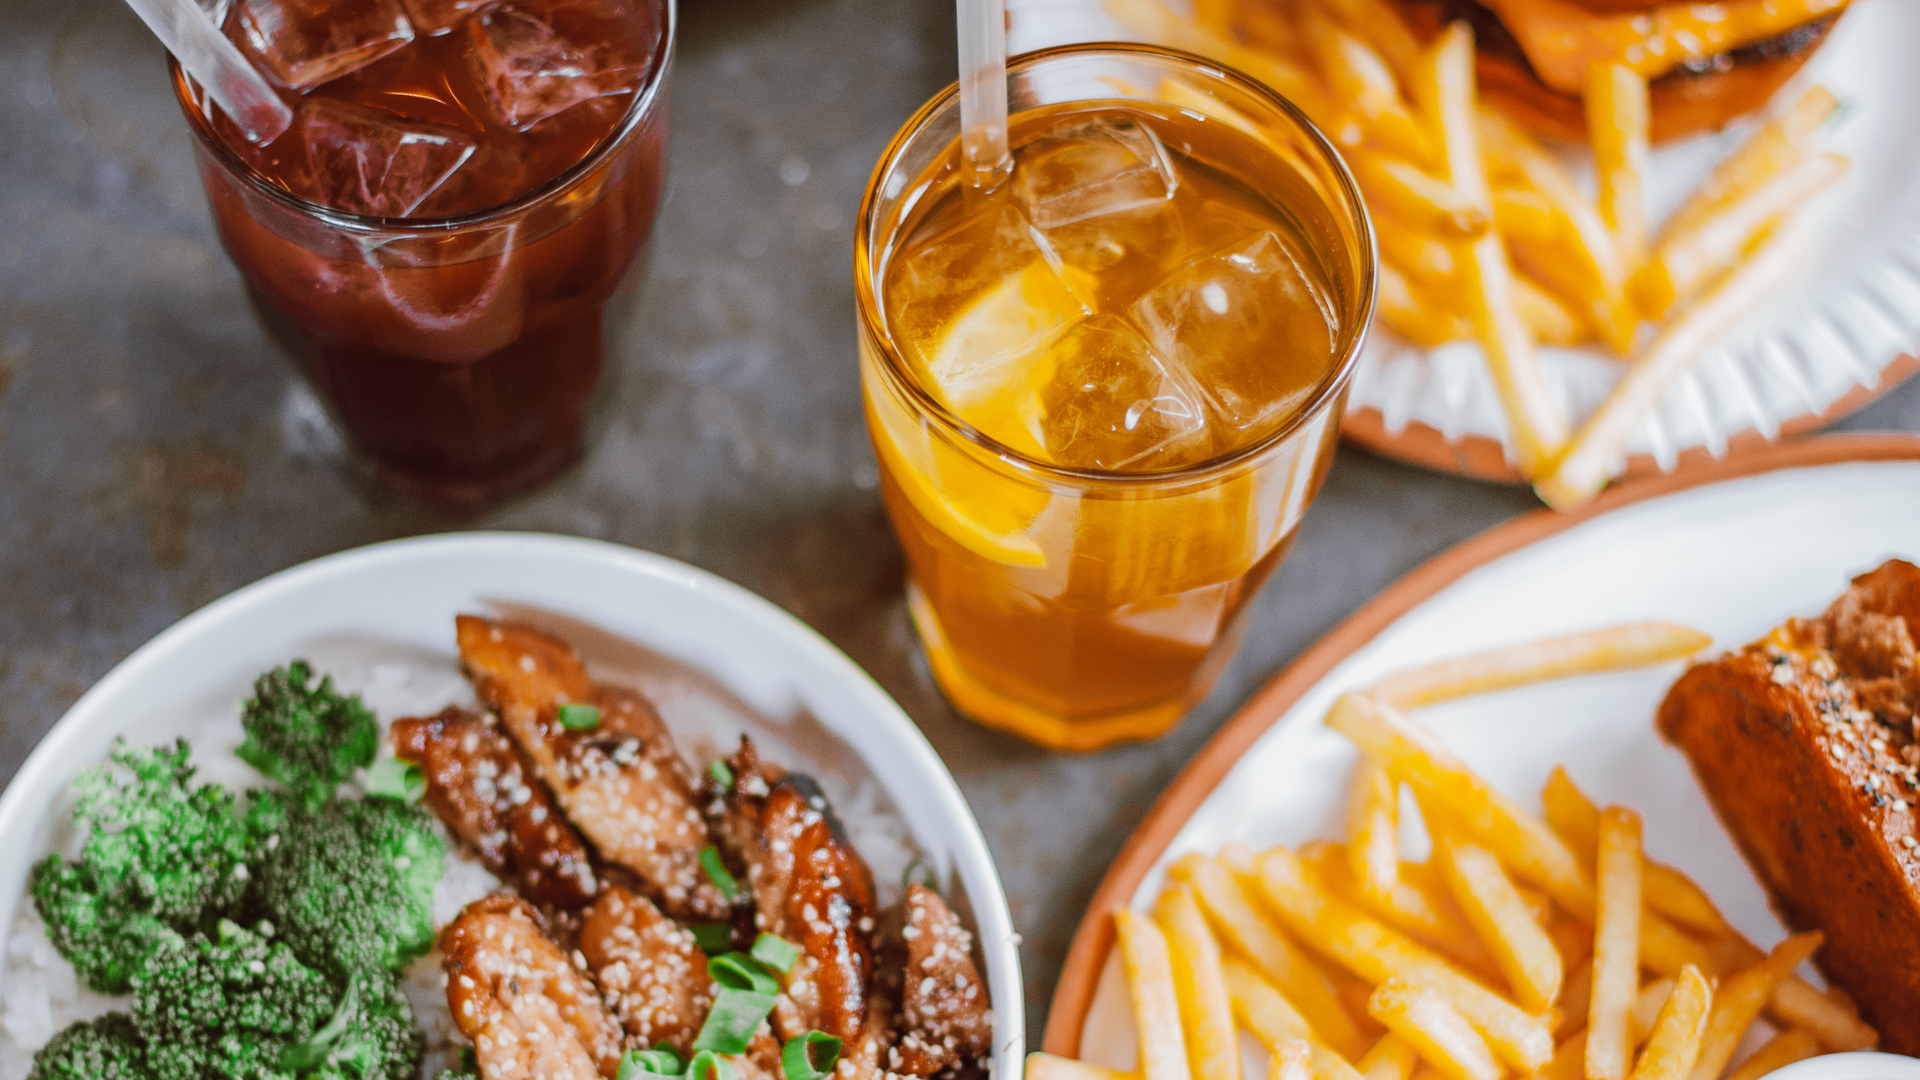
304 43
365 162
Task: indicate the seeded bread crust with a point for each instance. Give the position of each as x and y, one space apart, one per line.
1818 791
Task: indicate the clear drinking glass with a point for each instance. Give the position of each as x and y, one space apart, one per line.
459 353
1078 607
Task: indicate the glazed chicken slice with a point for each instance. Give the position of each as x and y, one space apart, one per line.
651 974
621 782
480 786
809 887
943 1007
530 1013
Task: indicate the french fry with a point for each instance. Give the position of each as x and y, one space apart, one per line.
1373 828
1262 1010
1206 1013
1569 1059
1616 947
1430 1023
1647 1005
1270 1018
1836 1024
1614 648
1430 917
1391 1058
1445 91
1779 145
1666 890
1554 233
1675 1044
1618 119
1215 16
1575 996
1579 473
1550 321
1353 995
1414 196
1424 257
1690 258
1292 1060
1380 26
1523 843
1376 953
1791 1045
1414 316
1363 81
1524 952
1740 1000
1232 912
1151 20
1048 1067
1156 1008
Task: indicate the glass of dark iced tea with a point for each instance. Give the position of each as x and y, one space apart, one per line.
464 187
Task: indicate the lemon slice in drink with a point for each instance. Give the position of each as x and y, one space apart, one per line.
984 511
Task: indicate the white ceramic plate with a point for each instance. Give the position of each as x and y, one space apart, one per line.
706 644
1732 558
1835 338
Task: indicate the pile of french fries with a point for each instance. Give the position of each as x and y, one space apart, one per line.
1483 235
1525 945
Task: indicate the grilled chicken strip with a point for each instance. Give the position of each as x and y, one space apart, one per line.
809 887
943 1005
621 782
530 1013
651 974
481 787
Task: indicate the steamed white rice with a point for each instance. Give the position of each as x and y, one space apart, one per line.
40 994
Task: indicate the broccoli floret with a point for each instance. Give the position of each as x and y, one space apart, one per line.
227 1008
371 1036
349 886
105 1049
159 854
307 737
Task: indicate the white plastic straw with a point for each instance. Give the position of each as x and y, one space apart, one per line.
983 90
216 64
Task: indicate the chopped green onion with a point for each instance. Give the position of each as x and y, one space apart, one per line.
810 1057
579 717
713 938
741 972
735 1016
717 872
776 952
391 778
921 874
710 1066
650 1065
721 774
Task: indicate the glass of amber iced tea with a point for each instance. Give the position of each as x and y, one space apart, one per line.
1103 393
464 187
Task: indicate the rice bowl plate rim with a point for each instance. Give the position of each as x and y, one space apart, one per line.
814 673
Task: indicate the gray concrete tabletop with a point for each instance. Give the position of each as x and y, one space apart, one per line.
156 451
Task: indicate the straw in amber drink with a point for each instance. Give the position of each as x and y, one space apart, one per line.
1103 396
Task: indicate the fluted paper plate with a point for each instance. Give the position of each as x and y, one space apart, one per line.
1841 333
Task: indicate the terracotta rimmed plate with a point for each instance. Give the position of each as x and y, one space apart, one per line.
1844 331
1731 547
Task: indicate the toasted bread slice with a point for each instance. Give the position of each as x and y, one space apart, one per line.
1804 743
